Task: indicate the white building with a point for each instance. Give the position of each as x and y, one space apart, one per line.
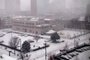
30 25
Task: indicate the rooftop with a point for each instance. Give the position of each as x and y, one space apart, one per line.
47 19
43 25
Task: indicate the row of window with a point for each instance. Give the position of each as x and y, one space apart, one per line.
28 23
27 30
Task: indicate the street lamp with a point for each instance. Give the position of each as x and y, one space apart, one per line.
45 51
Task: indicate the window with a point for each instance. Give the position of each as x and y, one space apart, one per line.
25 30
36 32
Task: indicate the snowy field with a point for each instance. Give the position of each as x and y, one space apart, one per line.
52 49
68 34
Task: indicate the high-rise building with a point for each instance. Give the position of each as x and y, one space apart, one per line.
33 7
12 6
87 17
88 10
39 7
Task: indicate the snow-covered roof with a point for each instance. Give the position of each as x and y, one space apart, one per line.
34 19
47 19
82 18
43 25
50 32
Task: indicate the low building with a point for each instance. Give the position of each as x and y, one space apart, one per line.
5 22
30 25
57 24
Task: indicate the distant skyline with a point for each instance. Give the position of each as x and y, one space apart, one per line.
63 7
25 5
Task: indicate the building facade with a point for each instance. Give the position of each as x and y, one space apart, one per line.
5 22
30 25
39 7
33 7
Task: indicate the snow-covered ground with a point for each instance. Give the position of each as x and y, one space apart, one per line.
52 49
6 57
71 33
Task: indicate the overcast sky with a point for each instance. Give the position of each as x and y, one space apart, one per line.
25 4
56 4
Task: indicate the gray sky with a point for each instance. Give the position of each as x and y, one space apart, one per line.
25 4
2 4
57 5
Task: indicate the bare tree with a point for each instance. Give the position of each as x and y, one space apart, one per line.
36 38
14 42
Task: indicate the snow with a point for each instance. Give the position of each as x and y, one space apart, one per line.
50 32
6 57
34 19
71 33
82 18
54 48
8 36
45 36
48 19
43 25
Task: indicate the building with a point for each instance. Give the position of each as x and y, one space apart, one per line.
87 17
33 7
2 8
0 23
39 7
57 24
30 25
5 22
88 12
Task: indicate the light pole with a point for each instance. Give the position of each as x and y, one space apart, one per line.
21 54
45 51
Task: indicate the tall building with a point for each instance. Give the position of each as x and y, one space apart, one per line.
87 17
33 7
39 7
88 10
12 6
